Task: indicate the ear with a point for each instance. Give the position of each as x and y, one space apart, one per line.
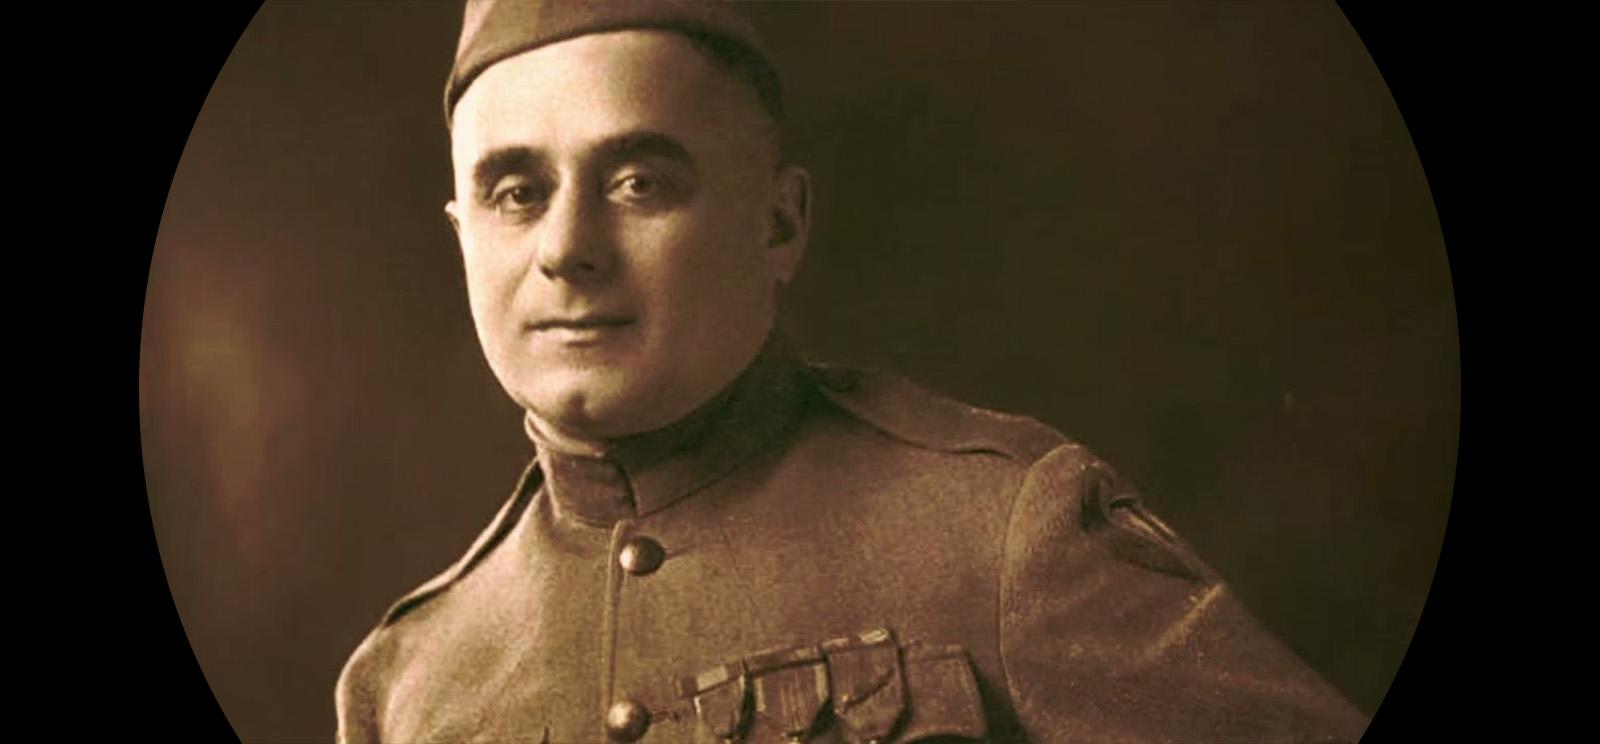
450 210
791 221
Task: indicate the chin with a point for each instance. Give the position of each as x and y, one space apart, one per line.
590 406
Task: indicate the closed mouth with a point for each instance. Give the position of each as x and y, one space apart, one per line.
589 322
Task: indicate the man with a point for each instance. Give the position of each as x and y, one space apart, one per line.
718 542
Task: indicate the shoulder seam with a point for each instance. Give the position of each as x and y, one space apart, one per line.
1079 451
972 429
532 478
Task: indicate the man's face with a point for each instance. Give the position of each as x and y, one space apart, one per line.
624 226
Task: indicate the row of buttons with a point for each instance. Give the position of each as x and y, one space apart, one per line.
627 720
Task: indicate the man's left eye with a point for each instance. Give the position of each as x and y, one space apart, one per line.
640 188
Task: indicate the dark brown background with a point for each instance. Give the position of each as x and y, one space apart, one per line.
1194 236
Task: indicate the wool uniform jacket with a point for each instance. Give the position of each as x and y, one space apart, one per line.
828 555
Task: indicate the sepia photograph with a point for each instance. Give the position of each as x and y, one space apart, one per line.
649 371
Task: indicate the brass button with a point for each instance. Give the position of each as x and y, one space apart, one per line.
626 721
641 556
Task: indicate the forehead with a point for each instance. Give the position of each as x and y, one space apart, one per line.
566 95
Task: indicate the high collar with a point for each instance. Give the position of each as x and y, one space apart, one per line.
644 473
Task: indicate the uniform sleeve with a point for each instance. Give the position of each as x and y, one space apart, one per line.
355 699
1112 630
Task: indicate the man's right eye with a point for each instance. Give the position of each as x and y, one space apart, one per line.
517 199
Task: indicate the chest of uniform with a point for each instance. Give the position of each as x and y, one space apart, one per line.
780 617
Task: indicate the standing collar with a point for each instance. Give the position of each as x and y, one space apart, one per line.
644 473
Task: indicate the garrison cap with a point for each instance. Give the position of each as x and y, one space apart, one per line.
494 30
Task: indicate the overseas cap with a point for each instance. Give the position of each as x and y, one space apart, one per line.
493 30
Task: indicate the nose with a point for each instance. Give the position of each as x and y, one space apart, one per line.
573 242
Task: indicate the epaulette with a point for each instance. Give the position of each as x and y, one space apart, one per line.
915 415
502 523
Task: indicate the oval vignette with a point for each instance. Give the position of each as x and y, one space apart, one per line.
1196 238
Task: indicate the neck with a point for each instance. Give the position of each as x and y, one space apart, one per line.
601 480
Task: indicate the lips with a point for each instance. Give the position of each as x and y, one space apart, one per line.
581 323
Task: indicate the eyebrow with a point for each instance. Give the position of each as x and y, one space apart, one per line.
609 152
496 164
639 145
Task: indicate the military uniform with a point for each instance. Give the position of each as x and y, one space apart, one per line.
827 555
